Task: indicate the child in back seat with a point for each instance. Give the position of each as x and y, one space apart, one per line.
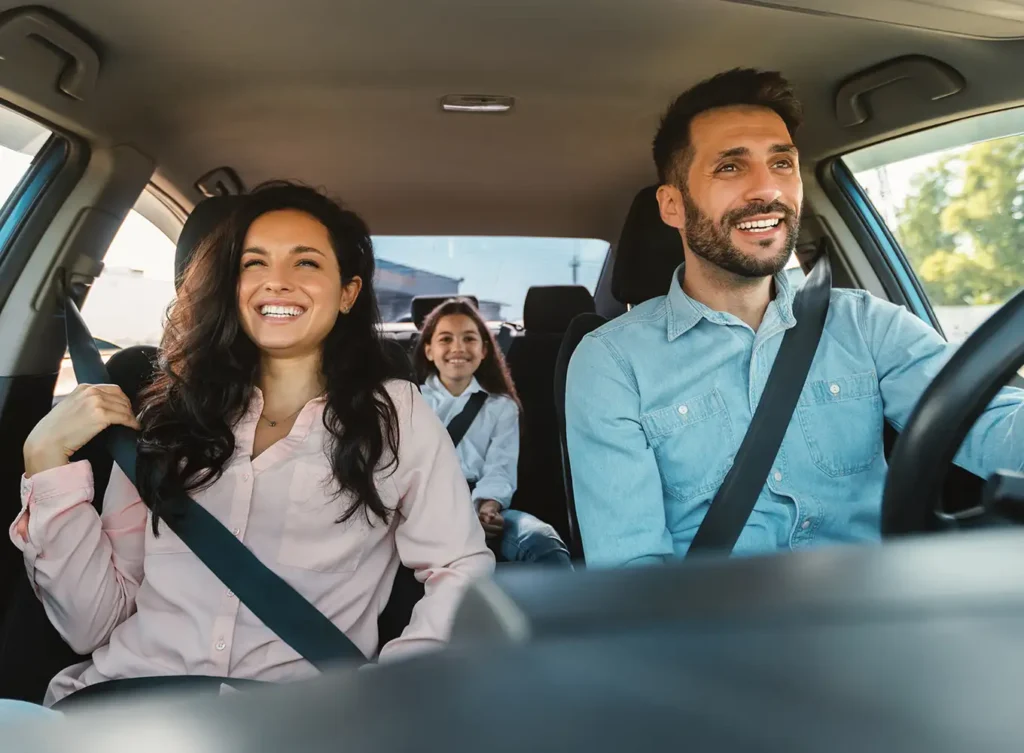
456 357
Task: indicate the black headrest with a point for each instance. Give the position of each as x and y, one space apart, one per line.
549 308
202 221
422 305
647 254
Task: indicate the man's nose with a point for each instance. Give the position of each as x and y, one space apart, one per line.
763 186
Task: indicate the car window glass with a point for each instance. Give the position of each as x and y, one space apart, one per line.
957 212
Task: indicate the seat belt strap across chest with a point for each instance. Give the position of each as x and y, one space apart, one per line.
459 425
274 602
731 507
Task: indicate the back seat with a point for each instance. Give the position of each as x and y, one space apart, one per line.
547 312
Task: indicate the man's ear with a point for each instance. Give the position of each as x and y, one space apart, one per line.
670 204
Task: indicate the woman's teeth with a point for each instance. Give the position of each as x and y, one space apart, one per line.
758 225
282 312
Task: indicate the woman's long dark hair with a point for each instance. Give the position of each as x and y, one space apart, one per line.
209 367
492 373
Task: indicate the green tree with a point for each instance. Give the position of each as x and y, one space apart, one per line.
962 224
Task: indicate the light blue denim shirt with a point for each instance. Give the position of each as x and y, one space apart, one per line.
659 399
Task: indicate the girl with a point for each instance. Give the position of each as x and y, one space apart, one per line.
275 409
456 357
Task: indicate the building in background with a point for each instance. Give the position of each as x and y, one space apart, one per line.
397 284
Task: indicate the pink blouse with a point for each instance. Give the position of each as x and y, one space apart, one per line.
145 605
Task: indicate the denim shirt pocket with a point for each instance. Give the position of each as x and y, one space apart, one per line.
692 441
841 419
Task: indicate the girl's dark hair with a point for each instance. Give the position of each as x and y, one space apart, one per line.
493 373
209 367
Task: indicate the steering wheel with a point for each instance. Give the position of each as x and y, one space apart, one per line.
942 418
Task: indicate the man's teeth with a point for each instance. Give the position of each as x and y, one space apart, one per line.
758 224
281 311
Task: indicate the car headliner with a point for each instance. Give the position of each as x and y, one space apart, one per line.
345 94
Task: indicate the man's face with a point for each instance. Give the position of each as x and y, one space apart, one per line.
742 192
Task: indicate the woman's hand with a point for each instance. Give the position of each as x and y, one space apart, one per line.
490 518
79 417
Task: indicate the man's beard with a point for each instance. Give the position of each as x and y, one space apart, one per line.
713 242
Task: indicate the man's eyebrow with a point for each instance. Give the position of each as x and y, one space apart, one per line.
742 151
736 151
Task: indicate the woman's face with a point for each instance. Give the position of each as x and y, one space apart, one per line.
290 291
456 348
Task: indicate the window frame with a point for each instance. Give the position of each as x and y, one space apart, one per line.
888 261
886 256
52 175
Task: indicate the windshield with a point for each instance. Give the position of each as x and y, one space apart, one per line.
497 270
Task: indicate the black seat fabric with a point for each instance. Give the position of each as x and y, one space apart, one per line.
422 305
648 253
547 312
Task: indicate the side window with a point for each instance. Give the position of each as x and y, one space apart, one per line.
20 140
953 198
128 302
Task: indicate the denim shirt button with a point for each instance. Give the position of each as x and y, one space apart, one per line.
834 388
806 524
777 476
683 410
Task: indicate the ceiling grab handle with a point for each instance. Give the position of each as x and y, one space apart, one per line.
78 77
932 78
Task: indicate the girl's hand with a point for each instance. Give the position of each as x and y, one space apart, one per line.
490 518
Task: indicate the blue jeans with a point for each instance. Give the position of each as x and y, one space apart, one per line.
529 539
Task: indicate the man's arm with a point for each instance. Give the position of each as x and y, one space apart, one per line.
619 500
908 354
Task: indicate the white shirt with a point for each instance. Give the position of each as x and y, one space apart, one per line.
489 451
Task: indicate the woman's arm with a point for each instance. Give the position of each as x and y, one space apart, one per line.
437 535
85 567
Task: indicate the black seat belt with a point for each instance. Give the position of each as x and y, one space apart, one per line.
732 505
459 425
275 603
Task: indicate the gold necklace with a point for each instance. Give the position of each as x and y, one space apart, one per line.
275 423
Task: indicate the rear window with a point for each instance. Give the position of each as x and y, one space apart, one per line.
497 270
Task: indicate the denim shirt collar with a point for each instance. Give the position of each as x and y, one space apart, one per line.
683 312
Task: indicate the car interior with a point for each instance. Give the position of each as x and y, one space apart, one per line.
521 125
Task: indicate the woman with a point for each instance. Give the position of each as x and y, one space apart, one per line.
456 357
274 408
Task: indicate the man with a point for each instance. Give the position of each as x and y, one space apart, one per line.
659 399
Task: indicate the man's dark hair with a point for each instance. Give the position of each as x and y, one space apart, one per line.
740 86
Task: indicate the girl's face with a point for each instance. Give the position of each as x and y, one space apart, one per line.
456 348
290 291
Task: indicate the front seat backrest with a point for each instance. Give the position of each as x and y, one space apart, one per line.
648 253
547 311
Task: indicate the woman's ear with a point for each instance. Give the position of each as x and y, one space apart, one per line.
349 293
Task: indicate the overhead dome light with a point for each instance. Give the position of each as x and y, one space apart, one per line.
487 103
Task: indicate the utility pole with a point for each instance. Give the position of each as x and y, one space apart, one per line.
575 265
